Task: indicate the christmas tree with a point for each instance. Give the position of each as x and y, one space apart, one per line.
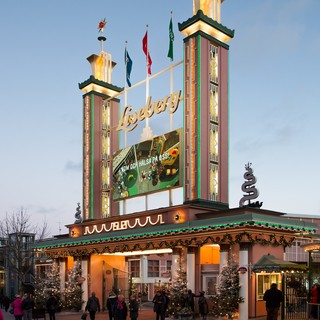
226 302
73 291
47 285
177 293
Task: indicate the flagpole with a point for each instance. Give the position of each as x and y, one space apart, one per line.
171 77
170 55
147 95
147 73
125 91
124 209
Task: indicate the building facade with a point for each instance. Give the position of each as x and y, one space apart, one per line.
201 233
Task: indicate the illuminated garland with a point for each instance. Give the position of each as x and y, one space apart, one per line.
267 240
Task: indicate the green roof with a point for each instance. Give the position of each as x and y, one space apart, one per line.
201 16
269 263
195 226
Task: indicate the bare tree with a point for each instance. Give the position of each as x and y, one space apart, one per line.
19 235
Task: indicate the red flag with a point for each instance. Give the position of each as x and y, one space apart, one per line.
146 52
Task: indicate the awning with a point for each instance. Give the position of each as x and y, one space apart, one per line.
269 263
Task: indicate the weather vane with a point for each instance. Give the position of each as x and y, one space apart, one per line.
101 26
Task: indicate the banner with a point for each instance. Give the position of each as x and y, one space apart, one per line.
146 167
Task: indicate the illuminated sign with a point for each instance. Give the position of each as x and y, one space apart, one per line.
149 166
123 225
130 117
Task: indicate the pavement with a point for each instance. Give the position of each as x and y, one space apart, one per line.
145 313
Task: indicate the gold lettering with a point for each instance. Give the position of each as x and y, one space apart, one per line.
129 118
142 114
174 102
149 108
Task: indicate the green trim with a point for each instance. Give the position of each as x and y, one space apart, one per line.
91 206
199 116
183 131
214 24
208 37
103 96
103 84
208 204
228 145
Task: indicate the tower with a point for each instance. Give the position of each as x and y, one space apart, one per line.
100 110
206 103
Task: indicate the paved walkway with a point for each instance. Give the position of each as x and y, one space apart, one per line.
146 313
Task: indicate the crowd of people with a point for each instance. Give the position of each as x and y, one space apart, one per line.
118 309
22 307
19 307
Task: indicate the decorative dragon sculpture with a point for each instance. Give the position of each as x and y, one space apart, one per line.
249 187
78 214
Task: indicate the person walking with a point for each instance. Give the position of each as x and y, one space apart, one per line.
203 305
6 303
52 304
110 302
314 300
93 305
133 308
273 298
27 306
17 307
120 309
159 305
190 299
166 306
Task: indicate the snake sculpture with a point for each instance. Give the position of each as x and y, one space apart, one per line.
78 214
248 186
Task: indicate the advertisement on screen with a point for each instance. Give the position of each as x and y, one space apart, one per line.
150 166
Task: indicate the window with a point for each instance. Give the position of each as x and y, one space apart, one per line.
264 281
168 264
134 266
153 268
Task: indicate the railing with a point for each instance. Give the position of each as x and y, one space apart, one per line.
313 311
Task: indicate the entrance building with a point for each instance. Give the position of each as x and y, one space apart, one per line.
112 246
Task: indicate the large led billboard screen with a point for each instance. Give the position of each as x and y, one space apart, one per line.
150 166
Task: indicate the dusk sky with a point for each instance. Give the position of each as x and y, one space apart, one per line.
274 95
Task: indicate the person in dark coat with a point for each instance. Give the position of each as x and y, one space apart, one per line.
203 305
93 305
159 305
110 302
166 306
51 305
120 309
27 306
6 303
273 298
190 299
133 308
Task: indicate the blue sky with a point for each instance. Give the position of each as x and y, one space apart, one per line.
274 95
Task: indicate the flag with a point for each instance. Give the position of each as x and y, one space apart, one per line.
171 38
146 52
128 63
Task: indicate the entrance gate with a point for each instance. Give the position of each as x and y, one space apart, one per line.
295 291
